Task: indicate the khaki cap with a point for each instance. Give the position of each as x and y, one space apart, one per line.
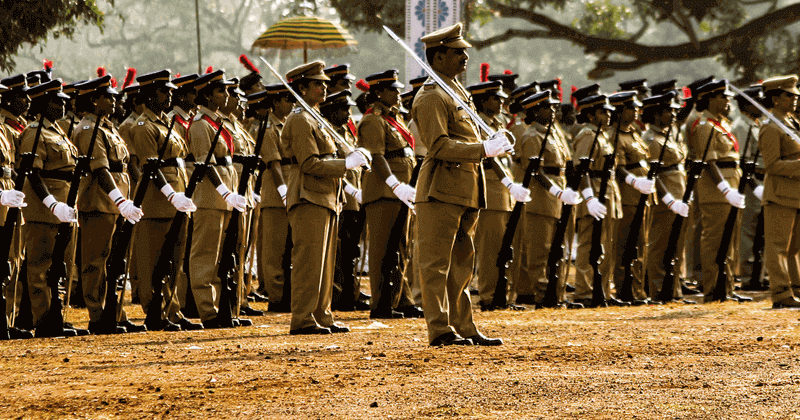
312 70
784 83
446 37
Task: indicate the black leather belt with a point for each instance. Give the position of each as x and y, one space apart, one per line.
174 162
404 152
116 167
635 165
289 161
552 170
223 161
7 172
727 164
240 159
62 175
597 174
675 167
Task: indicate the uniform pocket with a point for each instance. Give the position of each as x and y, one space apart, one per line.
454 179
323 185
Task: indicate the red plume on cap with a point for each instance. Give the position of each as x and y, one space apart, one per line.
248 64
177 75
687 93
508 72
362 85
114 82
47 64
572 99
209 69
130 74
101 71
560 90
484 72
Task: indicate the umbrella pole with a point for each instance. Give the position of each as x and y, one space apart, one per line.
305 52
199 54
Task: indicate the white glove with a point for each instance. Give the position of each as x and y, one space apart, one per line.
517 191
126 208
759 192
406 193
63 212
354 160
497 145
567 196
233 199
596 209
282 191
14 198
178 200
643 185
734 198
353 191
677 206
257 198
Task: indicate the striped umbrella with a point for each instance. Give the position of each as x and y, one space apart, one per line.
306 32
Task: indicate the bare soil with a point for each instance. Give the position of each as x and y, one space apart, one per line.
717 361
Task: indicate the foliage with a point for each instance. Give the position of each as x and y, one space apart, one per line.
31 22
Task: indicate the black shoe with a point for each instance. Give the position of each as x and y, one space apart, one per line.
244 322
741 299
168 326
572 305
617 302
411 311
279 307
312 330
637 302
481 340
54 332
451 339
683 301
526 299
385 314
131 327
214 323
251 299
361 305
80 331
686 290
338 328
515 307
19 334
248 311
570 288
258 297
755 287
187 325
788 303
487 307
98 328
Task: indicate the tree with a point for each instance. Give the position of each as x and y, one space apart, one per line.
752 38
31 22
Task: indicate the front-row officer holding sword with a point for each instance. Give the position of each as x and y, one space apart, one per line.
450 191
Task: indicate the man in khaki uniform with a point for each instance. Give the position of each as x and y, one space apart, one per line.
164 197
781 192
450 192
716 188
313 199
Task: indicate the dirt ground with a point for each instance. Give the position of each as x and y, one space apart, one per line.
718 361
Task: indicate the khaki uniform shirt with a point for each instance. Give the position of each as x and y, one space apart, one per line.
201 134
149 134
583 145
556 154
634 155
125 131
498 197
518 130
11 128
7 164
451 171
318 179
270 154
781 163
740 128
244 145
109 152
353 176
54 153
69 120
674 175
722 149
379 137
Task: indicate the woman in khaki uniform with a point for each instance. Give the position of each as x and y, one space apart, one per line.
548 192
632 167
164 195
781 192
215 200
716 188
386 190
659 112
314 195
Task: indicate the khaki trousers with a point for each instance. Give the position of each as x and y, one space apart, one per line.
782 249
382 218
621 239
488 241
658 241
97 230
314 233
13 289
713 218
584 274
446 254
519 279
273 230
151 235
209 232
39 258
539 231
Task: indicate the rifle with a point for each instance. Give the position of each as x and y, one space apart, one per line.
163 266
632 241
670 256
12 216
556 255
720 292
758 251
596 253
228 257
506 253
58 268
